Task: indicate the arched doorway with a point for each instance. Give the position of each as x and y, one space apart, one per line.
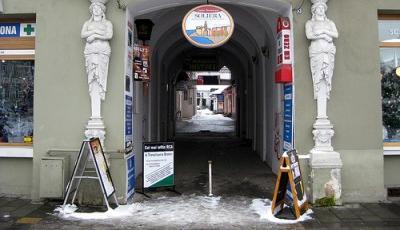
250 55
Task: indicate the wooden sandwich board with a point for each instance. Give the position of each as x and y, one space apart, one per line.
289 188
91 149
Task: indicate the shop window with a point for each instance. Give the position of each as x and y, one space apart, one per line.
17 67
16 101
389 37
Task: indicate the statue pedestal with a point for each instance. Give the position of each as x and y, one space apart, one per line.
325 163
96 128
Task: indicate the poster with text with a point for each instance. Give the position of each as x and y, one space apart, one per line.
102 167
158 164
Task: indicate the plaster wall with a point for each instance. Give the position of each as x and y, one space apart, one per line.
392 171
16 176
355 105
61 99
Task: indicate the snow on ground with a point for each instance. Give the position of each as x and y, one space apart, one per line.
208 115
205 119
185 210
263 208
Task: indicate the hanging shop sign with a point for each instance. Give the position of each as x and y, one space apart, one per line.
158 164
141 63
289 187
16 30
208 26
284 54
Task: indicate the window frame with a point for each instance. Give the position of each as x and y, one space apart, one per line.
390 148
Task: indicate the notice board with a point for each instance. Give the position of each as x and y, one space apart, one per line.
158 164
289 188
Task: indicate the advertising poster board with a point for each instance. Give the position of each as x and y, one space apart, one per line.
158 164
91 148
288 117
141 63
102 167
289 188
130 166
128 95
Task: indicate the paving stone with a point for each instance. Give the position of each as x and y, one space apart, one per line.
6 225
344 213
325 216
7 209
18 203
394 208
25 210
380 211
4 201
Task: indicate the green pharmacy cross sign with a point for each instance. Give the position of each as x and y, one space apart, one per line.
16 30
29 29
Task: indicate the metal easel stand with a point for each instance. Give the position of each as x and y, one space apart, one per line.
79 178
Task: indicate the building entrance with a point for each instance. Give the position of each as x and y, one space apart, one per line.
251 109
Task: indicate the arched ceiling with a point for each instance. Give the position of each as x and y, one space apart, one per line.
254 20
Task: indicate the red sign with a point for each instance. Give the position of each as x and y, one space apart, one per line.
141 62
284 52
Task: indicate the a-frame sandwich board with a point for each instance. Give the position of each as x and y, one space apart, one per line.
91 148
289 188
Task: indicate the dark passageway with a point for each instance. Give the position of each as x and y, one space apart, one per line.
237 170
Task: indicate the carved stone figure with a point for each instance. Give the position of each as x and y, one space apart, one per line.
324 161
97 31
321 31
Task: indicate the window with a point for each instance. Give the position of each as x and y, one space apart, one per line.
389 37
16 101
17 67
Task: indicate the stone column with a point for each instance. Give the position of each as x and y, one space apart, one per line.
97 32
325 163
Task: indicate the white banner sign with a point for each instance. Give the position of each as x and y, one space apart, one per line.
158 164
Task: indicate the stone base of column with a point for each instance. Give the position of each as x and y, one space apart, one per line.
96 128
325 164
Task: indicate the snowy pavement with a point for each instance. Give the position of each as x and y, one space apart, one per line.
187 212
206 120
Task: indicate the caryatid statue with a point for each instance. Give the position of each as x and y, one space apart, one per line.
97 32
321 31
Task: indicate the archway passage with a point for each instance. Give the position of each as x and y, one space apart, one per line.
205 103
246 153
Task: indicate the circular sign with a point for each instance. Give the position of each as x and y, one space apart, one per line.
208 26
398 71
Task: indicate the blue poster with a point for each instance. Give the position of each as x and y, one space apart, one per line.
288 117
130 167
128 115
9 30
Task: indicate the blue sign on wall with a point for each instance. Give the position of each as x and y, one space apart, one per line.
130 166
220 97
288 117
9 30
15 30
128 115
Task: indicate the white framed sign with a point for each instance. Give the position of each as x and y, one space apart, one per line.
208 26
158 164
102 167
